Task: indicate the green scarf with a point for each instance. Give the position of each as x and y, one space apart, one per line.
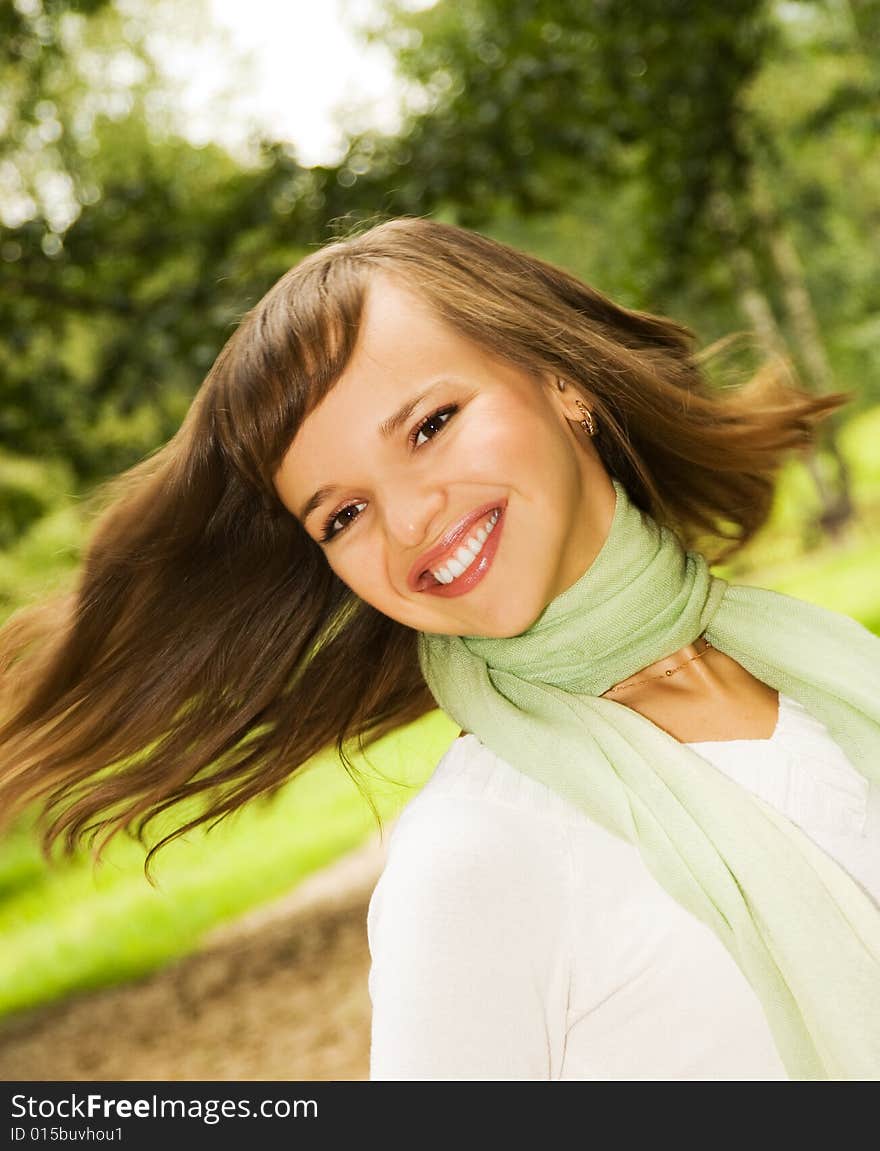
804 933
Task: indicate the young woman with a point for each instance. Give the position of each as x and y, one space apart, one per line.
429 470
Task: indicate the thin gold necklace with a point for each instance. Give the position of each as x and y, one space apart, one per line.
664 674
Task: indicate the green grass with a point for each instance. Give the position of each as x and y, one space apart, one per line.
67 928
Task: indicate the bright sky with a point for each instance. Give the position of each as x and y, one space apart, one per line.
305 68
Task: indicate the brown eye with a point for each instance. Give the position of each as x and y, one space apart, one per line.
438 419
329 531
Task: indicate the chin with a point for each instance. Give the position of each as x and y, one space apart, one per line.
514 623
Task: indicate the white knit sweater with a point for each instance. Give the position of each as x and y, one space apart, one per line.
513 938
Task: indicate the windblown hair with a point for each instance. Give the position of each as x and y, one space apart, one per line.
208 650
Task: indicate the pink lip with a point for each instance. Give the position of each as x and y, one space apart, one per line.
462 584
456 535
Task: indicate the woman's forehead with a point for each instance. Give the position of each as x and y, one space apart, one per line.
393 308
402 342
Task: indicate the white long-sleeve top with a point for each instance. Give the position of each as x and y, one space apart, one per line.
511 937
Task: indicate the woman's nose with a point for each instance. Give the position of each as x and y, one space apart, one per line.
411 515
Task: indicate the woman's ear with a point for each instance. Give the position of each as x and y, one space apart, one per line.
570 401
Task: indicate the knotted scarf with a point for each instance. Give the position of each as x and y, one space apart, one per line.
804 933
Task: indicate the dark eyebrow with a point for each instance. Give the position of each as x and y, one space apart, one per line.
386 429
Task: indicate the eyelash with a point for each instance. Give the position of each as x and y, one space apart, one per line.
327 533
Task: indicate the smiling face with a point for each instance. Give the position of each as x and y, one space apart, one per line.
485 435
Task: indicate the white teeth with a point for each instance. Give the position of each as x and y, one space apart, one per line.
465 556
455 567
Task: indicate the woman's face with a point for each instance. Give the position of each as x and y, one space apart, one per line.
403 500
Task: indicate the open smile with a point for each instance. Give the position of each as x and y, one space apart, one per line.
462 569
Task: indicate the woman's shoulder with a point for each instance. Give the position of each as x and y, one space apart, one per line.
480 843
477 818
469 931
471 774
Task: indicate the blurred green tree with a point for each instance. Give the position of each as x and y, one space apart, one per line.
128 254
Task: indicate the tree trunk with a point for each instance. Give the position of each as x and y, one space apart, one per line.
835 506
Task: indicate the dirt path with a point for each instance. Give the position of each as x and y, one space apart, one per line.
280 994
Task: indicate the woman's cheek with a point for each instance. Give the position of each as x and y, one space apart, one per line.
492 441
361 564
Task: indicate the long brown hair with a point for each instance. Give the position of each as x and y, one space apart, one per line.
208 650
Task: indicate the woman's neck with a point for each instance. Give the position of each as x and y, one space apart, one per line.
686 663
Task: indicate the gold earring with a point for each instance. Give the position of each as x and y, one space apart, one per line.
587 423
